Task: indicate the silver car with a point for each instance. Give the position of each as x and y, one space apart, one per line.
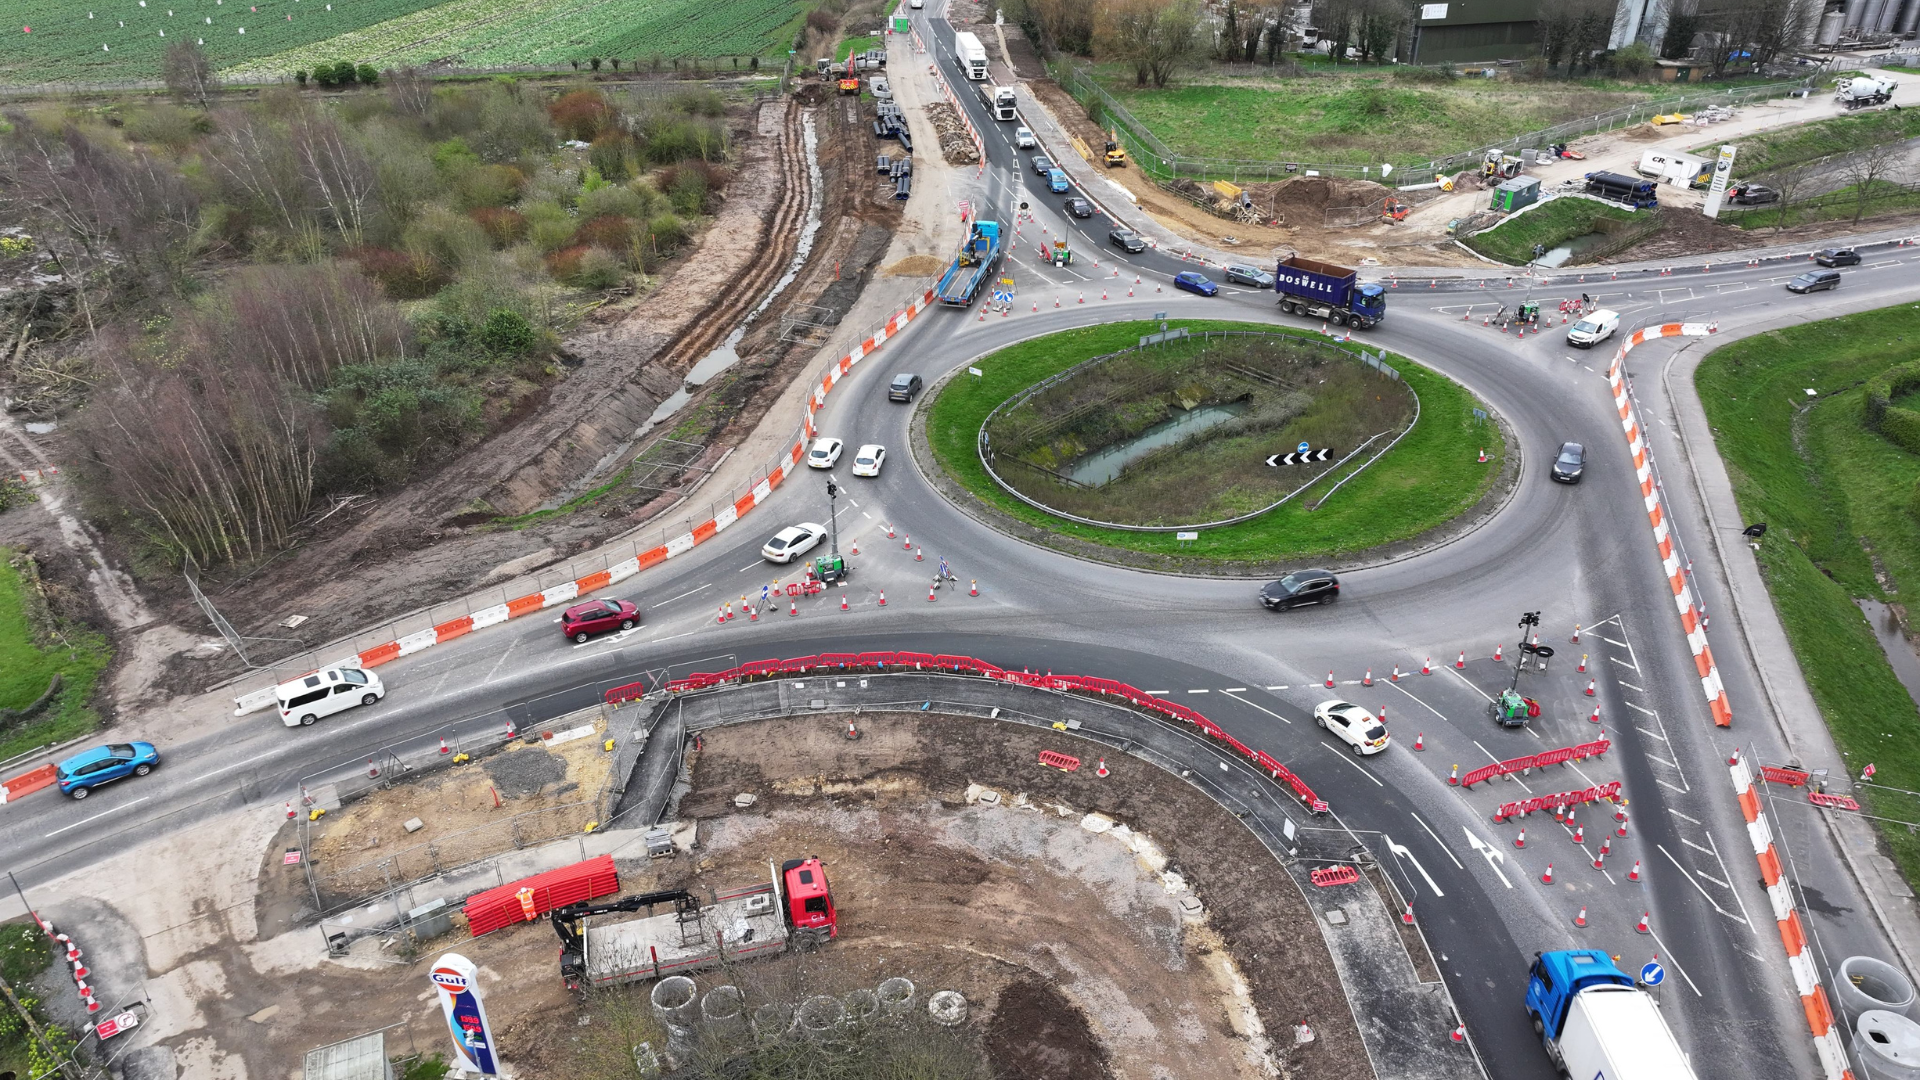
1247 275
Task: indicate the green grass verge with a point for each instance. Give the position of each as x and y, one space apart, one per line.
1771 150
1432 476
1830 490
1844 204
853 45
1553 224
76 653
24 954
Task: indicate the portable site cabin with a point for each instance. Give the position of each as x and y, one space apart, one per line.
1513 194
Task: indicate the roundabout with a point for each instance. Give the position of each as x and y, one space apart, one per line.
1213 447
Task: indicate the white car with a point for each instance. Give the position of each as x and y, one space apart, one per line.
1357 727
793 541
824 453
916 4
869 458
1023 138
1593 328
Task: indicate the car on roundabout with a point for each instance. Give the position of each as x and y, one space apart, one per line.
1362 731
1593 328
1127 240
1195 282
824 453
582 621
1571 462
1248 275
78 775
793 541
868 459
1300 588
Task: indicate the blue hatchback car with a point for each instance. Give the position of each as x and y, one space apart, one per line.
1057 181
1194 283
81 773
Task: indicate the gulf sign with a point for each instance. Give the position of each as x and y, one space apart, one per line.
459 983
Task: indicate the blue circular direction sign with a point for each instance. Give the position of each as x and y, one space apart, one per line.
1653 974
1302 448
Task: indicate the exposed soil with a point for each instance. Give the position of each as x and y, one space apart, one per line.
955 144
1036 1032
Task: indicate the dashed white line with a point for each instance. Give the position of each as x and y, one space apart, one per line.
684 595
99 815
1713 879
1703 893
1670 787
1637 708
1654 734
1350 761
1250 704
1629 685
1623 663
1668 953
1663 761
1198 691
1610 641
1696 847
1476 689
1233 690
1276 688
1682 816
1158 692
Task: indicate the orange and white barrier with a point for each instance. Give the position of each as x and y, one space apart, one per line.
788 464
1690 620
1827 1042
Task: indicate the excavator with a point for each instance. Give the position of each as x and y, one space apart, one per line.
1393 211
1116 154
849 82
1503 165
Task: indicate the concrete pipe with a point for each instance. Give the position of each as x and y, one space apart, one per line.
1867 984
820 1017
1888 1044
896 994
948 1007
724 1009
862 1005
673 1001
771 1022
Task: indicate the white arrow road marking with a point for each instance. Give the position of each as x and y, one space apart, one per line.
1408 855
1493 855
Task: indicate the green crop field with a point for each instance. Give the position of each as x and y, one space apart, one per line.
108 40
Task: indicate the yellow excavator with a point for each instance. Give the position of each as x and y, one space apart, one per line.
1116 154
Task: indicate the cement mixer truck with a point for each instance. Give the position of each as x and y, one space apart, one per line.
1862 91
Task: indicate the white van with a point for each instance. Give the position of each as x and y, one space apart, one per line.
326 692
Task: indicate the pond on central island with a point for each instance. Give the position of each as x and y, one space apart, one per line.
1180 433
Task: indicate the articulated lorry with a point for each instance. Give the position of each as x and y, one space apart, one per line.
1594 1022
972 54
1324 291
791 910
1000 101
978 257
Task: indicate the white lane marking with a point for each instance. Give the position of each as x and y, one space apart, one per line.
1244 701
1708 897
1637 708
747 567
1493 855
1661 760
1157 692
1198 691
684 595
1423 704
503 659
1475 689
1276 688
1234 690
1696 847
1736 893
1682 816
1349 682
1654 734
866 515
1670 787
1629 685
1437 840
1350 761
1668 953
1715 880
99 815
1610 641
1402 851
1624 664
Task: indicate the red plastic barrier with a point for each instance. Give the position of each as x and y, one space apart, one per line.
1053 759
875 659
1790 777
633 691
918 660
1838 802
1335 875
1535 761
1563 798
840 659
495 908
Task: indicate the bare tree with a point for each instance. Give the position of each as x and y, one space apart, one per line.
188 73
1379 26
409 92
337 173
1868 168
1063 25
1789 182
255 161
1156 36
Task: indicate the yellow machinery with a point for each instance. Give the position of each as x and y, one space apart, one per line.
1504 166
1116 154
1445 181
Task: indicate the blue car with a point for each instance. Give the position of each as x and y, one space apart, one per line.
81 773
1194 283
1057 181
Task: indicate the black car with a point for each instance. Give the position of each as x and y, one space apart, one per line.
1126 240
1572 459
1080 208
1752 195
1042 164
1815 281
1838 257
1301 587
904 387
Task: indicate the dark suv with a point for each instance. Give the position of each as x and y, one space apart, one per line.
905 387
1838 257
1571 462
1301 587
582 621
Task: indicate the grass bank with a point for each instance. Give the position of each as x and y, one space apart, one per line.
1553 224
1836 498
1786 147
35 645
1843 204
1431 477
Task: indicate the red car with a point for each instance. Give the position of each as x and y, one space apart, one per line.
581 621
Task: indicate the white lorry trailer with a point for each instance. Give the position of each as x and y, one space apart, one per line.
1001 101
972 54
1594 1022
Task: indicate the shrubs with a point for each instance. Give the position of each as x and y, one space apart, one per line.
581 115
504 227
488 185
345 73
585 267
612 156
401 276
549 227
609 233
508 334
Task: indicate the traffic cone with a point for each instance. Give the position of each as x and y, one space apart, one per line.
1395 677
1420 740
1496 654
1462 662
1590 687
1483 455
795 609
1547 878
1579 834
1056 301
1634 874
919 555
1083 298
973 587
883 598
1102 769
443 749
930 597
80 971
1641 927
906 542
1329 680
1407 915
726 613
1583 664
852 732
843 600
289 811
1581 919
1620 811
753 614
1600 861
1595 718
1459 1034
1426 666
856 551
1454 780
1367 679
1521 840
372 769
1103 292
889 532
1576 633
1606 845
1622 830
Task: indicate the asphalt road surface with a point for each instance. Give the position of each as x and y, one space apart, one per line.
1579 554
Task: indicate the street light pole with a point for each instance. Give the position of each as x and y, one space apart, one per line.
1528 620
833 518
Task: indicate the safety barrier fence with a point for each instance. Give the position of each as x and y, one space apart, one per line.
883 662
1579 796
1523 765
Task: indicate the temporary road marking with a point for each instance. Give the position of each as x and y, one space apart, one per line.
1624 664
1234 690
1349 760
1670 787
1494 855
1650 734
684 595
1637 708
1610 641
1401 850
1437 840
1197 691
1629 686
1682 816
99 815
1696 847
1708 897
1276 688
1250 704
1463 679
1661 760
1713 879
1668 953
1748 917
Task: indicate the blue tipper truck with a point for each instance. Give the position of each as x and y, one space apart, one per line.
978 257
1324 291
1596 1024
